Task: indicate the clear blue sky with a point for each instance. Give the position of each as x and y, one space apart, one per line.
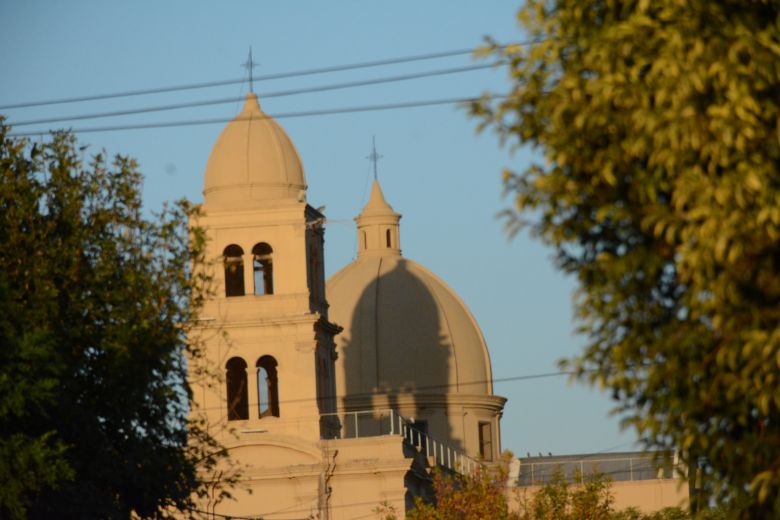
436 171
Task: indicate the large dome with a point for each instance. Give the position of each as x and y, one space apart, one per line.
405 331
253 160
408 343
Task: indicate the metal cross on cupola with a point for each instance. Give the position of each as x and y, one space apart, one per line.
373 156
250 65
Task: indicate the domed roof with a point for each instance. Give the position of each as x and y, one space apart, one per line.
253 160
405 330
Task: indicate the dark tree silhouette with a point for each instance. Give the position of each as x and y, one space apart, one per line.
95 305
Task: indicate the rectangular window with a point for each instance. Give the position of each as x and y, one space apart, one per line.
485 441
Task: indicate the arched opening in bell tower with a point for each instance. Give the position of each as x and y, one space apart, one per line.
237 394
234 270
262 265
267 387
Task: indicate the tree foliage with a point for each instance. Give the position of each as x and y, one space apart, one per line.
96 302
660 191
466 497
590 499
485 494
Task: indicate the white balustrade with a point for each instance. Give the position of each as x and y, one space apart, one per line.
372 423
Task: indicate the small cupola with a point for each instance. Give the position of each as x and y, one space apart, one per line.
377 226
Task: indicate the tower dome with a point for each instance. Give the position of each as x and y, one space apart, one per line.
405 330
252 161
409 343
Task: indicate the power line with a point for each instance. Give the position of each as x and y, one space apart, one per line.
239 517
267 77
286 510
228 517
331 506
281 93
418 389
284 115
440 386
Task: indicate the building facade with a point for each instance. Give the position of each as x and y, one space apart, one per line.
333 398
409 342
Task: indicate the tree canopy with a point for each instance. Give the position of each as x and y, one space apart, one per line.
488 494
659 189
96 302
587 497
466 497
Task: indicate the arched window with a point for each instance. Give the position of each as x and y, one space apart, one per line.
263 269
267 387
237 398
387 237
234 270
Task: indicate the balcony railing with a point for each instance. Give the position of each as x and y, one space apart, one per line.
630 468
372 423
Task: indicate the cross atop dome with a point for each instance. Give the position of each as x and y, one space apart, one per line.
249 65
373 156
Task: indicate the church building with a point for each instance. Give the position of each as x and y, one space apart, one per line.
336 396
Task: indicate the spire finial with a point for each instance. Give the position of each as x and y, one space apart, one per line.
250 65
373 156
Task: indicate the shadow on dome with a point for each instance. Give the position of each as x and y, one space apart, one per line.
395 354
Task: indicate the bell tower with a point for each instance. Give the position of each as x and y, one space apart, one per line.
265 329
265 326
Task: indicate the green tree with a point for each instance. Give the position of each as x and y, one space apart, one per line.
589 499
476 496
484 495
96 303
659 190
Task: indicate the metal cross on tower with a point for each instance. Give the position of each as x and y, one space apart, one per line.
373 156
250 65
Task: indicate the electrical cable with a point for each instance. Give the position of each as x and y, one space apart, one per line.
265 77
281 93
333 506
284 115
418 389
238 517
229 517
286 510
